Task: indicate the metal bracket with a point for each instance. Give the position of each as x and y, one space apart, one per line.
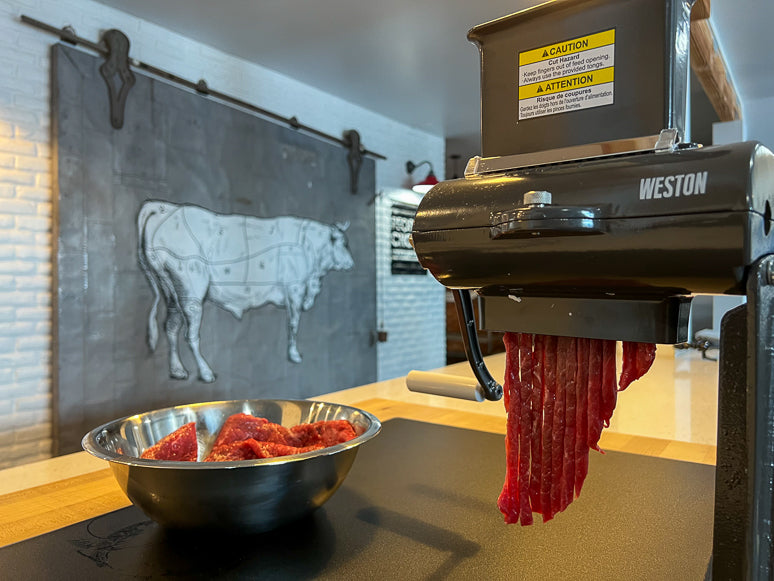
69 35
667 141
354 157
117 74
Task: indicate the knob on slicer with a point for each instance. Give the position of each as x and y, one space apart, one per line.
536 197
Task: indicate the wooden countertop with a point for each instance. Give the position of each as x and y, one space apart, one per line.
41 497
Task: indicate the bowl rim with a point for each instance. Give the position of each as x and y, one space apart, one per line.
90 445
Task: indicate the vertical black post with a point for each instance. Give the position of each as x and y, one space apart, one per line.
744 481
760 417
731 476
744 476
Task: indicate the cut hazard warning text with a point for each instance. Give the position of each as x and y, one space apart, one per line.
567 76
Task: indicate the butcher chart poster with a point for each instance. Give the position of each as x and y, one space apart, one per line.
202 253
571 75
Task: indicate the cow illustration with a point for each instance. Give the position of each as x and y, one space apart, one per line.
238 262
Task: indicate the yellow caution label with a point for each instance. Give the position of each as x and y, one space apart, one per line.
567 47
588 79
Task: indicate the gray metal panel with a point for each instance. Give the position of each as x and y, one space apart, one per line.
651 72
183 148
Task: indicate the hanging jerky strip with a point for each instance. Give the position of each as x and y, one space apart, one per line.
559 393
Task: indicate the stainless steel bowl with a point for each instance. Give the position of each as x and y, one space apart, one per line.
244 496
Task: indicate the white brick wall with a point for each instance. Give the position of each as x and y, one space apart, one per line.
26 194
411 308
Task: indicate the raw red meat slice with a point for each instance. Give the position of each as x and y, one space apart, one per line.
275 449
179 446
549 403
609 389
537 423
246 437
568 471
251 449
629 364
327 433
646 355
239 427
508 501
581 416
559 393
241 450
594 393
557 452
271 432
525 426
637 359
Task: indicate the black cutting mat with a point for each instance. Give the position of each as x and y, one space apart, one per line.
419 503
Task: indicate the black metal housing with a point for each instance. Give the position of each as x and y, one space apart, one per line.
656 320
642 239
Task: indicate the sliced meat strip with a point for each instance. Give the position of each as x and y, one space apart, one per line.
537 423
581 416
557 453
594 393
646 355
525 426
637 359
629 364
549 405
514 416
609 388
559 393
568 471
508 502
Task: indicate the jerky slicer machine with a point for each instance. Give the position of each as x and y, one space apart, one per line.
589 214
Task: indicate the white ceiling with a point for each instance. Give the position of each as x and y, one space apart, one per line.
410 60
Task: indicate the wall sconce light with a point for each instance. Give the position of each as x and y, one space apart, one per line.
424 186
